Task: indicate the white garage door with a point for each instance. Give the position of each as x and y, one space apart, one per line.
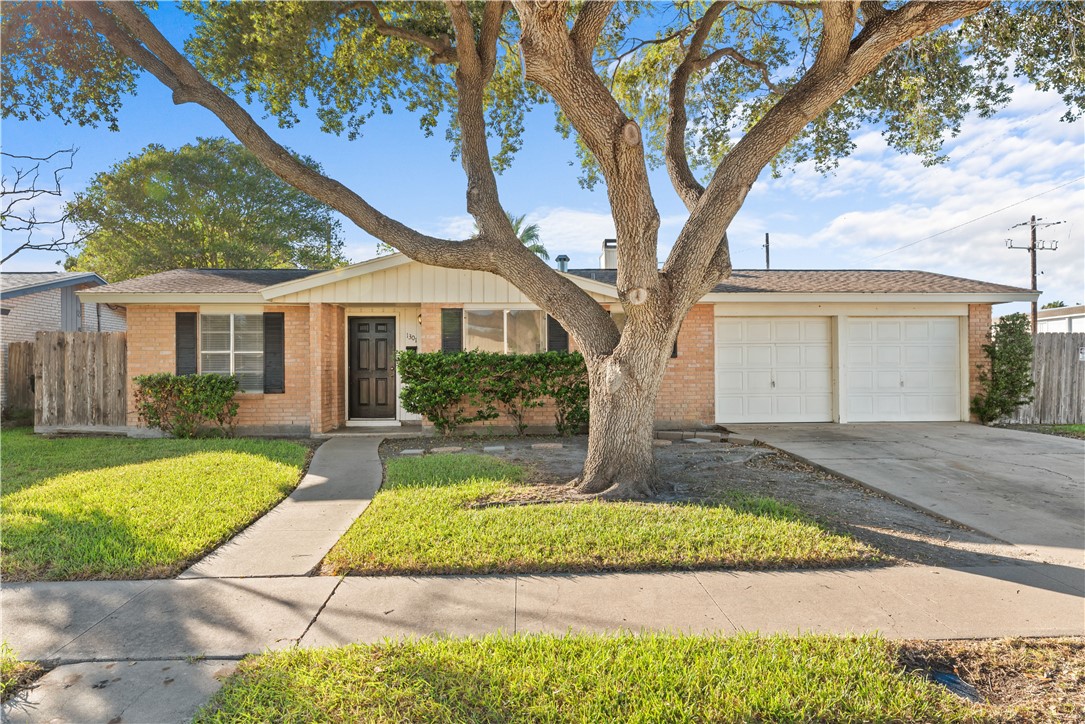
774 369
905 369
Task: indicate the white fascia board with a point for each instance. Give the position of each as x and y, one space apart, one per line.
170 298
872 297
335 275
591 285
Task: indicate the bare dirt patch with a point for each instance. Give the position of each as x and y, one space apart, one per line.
1019 680
703 472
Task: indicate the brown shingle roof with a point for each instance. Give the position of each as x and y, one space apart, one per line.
205 281
836 281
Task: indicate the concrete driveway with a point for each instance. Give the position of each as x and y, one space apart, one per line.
1021 487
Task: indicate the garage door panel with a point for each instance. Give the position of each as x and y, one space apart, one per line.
887 354
759 356
818 381
860 355
788 355
887 331
783 366
913 363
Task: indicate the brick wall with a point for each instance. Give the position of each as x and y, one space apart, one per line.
151 348
979 325
688 393
326 371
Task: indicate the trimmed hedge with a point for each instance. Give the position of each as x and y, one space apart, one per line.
183 404
456 389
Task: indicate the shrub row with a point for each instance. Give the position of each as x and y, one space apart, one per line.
182 405
455 389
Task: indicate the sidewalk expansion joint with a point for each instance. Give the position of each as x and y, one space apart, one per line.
714 603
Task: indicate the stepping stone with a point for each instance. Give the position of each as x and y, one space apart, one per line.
713 436
661 443
411 452
736 440
698 440
670 435
546 446
450 449
494 449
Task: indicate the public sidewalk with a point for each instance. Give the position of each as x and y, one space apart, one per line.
294 537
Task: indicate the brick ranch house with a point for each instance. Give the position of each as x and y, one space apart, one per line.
315 350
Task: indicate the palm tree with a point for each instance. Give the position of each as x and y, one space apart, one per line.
528 235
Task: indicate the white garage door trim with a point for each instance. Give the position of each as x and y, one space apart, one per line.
773 369
902 369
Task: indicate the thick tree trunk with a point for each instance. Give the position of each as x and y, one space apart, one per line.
623 391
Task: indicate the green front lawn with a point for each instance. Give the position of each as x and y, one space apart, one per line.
94 507
425 519
582 678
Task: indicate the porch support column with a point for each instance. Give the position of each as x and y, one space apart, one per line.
316 366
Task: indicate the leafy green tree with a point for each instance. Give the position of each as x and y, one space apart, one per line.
210 204
764 85
1054 305
1006 378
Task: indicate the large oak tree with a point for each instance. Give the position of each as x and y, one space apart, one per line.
209 204
716 91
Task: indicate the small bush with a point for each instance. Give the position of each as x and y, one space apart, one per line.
455 389
445 388
1007 378
515 382
184 404
567 386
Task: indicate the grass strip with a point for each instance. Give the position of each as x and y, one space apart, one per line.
423 521
582 678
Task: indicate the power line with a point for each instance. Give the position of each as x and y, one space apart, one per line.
972 221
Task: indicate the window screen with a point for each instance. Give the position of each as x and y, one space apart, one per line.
485 330
526 331
233 344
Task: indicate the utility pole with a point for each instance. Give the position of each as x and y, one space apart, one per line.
766 245
1033 247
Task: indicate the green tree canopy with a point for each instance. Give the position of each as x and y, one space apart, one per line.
210 204
1054 305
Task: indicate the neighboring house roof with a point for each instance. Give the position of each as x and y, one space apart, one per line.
205 281
835 281
1061 312
17 284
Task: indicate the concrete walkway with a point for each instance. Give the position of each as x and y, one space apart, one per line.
156 650
294 537
98 628
1023 488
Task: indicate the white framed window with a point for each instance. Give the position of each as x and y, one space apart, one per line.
233 344
508 331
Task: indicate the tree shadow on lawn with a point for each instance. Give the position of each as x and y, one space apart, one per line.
29 459
42 545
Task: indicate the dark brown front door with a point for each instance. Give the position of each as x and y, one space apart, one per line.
372 377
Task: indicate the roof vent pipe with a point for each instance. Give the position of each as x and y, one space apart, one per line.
609 258
563 263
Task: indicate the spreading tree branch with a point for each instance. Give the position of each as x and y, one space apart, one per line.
22 189
131 33
842 61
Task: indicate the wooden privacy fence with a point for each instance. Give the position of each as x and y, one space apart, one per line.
1058 368
18 377
80 381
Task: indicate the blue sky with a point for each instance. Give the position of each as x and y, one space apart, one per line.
860 217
